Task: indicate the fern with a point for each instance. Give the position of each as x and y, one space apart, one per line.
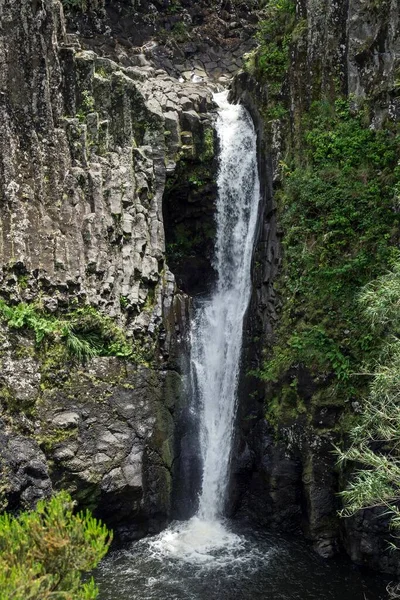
85 332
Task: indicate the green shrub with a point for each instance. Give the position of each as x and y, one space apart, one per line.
375 438
180 31
43 553
84 332
274 36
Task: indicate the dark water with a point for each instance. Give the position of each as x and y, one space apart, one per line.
255 565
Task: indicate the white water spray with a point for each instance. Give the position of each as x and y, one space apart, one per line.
216 340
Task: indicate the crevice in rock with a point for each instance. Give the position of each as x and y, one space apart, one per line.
188 212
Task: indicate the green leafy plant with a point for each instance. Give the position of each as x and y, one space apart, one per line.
375 436
123 302
44 552
274 37
84 332
180 31
87 105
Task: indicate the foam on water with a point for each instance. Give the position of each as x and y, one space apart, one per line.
253 565
196 541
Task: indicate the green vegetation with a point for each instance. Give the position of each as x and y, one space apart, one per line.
375 439
87 106
83 332
174 7
180 31
270 61
185 243
123 302
43 553
337 338
101 72
337 206
207 150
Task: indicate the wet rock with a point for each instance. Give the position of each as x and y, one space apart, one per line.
24 472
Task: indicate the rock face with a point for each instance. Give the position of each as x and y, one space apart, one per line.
24 473
285 475
87 145
83 173
205 39
109 432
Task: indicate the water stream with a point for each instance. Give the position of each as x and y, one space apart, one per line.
207 557
216 336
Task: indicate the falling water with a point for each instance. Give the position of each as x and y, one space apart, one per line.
217 330
216 342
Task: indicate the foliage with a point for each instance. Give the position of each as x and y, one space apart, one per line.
313 347
84 332
180 31
375 439
44 552
207 146
87 101
274 37
185 243
87 106
337 207
173 7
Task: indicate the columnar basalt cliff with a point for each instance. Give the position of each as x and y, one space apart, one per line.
86 148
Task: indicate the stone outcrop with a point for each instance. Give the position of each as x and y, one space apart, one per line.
83 171
24 472
87 145
205 39
109 433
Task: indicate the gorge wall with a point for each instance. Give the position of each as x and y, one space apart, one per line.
107 180
315 55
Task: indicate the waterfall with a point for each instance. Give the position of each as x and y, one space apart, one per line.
217 329
216 342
